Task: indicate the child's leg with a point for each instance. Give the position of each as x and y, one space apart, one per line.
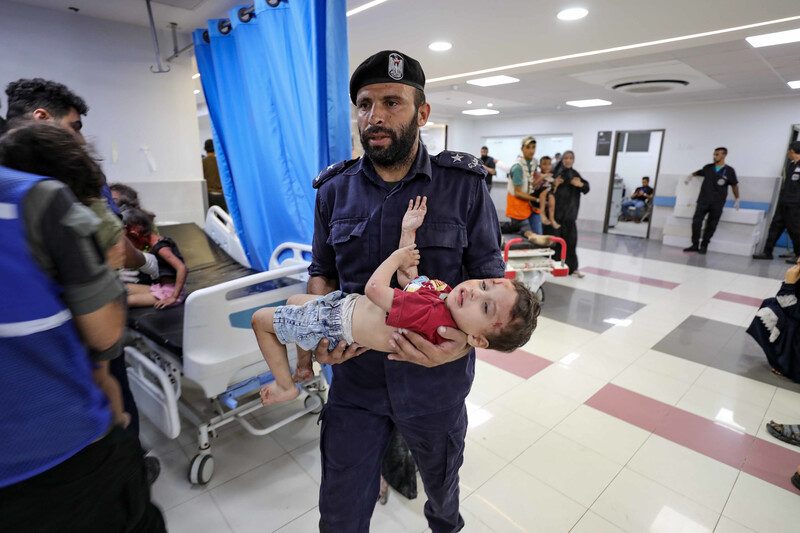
551 204
304 370
139 295
543 197
283 388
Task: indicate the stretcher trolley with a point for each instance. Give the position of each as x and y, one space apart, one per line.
530 264
209 342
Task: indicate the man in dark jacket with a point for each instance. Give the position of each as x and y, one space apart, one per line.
787 214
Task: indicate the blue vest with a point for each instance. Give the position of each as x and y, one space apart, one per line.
50 408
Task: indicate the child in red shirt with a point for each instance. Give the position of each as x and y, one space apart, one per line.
494 313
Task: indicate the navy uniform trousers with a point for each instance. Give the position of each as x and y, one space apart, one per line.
714 211
787 217
361 437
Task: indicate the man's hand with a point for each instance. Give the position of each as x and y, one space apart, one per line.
793 274
688 179
340 354
414 348
736 204
415 214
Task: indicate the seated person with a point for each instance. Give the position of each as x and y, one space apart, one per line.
544 192
170 289
776 327
639 199
499 314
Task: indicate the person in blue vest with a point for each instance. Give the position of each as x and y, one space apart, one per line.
420 389
717 176
65 466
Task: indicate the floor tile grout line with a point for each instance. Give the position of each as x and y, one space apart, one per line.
219 509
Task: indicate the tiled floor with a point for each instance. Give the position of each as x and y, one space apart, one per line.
639 405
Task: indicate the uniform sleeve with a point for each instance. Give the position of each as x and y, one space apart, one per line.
732 179
516 175
60 235
482 258
323 257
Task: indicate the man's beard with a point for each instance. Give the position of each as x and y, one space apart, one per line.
398 151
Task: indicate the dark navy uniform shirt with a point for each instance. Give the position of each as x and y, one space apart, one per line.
790 187
357 225
714 189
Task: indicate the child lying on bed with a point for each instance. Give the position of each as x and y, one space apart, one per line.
494 313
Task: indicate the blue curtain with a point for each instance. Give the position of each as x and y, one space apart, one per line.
277 94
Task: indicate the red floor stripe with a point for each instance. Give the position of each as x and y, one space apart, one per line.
518 362
738 298
630 277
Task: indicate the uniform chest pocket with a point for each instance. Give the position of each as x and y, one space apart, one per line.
441 247
349 240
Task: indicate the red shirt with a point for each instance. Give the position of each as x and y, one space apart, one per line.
422 311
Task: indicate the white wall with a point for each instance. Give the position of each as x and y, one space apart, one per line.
756 133
108 64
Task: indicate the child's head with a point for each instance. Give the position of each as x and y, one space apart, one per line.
494 313
47 149
545 164
124 196
138 227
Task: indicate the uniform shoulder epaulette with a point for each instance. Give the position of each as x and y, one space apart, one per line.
461 160
333 170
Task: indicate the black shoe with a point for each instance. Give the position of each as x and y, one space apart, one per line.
152 468
702 250
692 248
792 261
762 256
787 255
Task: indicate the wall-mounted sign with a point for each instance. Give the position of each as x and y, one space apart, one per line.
603 143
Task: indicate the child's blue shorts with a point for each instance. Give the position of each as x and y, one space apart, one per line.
305 325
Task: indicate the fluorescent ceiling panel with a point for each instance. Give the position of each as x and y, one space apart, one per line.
364 7
771 39
593 102
480 112
794 84
492 80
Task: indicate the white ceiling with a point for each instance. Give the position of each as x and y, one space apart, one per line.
488 34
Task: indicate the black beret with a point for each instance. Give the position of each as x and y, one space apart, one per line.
389 66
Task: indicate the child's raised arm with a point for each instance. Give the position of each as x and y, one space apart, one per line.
412 220
379 289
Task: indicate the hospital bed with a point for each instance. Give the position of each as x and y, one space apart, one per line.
530 264
208 340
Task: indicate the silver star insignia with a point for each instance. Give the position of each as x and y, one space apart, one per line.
474 163
457 157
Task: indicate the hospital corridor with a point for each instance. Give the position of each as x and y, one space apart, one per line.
399 266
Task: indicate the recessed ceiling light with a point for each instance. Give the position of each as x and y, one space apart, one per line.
429 123
490 104
196 76
440 46
771 39
480 112
364 7
794 84
574 13
197 91
593 102
469 102
492 80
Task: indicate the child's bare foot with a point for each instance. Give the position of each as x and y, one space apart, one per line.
540 240
545 220
303 374
556 224
272 393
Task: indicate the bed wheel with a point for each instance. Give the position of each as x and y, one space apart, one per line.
201 469
310 400
540 294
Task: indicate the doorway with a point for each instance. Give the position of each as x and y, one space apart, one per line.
637 155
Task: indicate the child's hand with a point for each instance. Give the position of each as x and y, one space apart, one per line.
166 302
793 274
415 213
408 256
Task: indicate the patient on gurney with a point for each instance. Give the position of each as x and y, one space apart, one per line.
170 288
499 314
